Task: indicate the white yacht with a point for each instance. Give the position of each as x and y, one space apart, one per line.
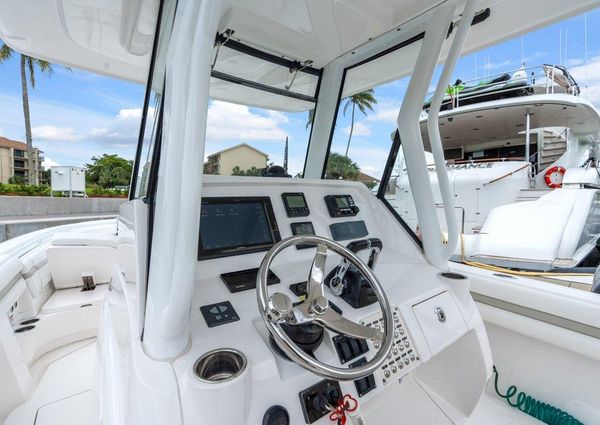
522 157
198 305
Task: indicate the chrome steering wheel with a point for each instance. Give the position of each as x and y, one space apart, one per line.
278 309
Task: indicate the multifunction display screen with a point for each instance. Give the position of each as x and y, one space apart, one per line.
230 226
342 202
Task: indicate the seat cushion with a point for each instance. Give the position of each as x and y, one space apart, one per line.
69 263
84 239
74 298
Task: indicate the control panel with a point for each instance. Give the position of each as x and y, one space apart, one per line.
403 356
295 204
341 205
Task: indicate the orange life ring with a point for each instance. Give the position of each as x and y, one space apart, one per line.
554 176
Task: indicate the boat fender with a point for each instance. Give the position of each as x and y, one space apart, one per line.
554 176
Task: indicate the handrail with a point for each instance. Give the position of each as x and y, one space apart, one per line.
476 161
434 129
507 174
539 79
546 144
463 213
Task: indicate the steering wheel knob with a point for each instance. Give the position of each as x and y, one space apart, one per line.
280 307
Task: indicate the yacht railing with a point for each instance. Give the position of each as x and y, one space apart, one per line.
543 79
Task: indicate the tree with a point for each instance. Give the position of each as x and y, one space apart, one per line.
28 67
109 171
251 172
363 101
341 167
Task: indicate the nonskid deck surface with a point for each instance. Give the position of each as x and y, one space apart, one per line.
67 392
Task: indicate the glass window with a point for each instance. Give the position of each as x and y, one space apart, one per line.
366 119
260 111
152 106
243 140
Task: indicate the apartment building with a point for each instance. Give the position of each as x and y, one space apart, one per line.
243 156
14 161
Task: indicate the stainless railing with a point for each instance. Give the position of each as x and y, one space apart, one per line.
542 79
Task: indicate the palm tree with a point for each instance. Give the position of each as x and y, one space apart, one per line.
28 66
363 100
341 167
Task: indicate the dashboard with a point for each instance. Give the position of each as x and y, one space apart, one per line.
241 218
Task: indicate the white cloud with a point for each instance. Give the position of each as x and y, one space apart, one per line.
49 162
54 133
228 121
121 131
385 114
574 62
360 129
497 65
592 91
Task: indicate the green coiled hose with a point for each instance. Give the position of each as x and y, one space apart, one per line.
544 412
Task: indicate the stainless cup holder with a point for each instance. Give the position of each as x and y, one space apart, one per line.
220 365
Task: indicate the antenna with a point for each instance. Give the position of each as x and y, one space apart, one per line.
560 49
586 51
523 51
566 44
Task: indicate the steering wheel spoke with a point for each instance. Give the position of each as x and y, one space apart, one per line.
314 286
337 323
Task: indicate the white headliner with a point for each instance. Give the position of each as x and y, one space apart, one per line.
113 37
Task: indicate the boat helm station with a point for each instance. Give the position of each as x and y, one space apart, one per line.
274 300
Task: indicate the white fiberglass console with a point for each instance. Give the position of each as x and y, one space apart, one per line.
439 342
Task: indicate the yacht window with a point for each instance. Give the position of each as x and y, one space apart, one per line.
152 104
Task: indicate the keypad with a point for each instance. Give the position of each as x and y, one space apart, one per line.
403 356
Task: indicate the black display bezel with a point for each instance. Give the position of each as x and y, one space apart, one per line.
288 211
220 252
332 207
294 227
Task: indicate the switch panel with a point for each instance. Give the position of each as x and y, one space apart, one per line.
366 384
403 356
219 314
349 348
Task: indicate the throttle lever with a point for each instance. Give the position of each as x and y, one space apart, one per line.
374 244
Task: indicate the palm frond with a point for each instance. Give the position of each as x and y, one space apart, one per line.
44 66
31 68
364 100
5 52
347 105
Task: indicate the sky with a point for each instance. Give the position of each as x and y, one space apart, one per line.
77 114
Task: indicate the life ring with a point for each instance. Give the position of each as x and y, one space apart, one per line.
554 176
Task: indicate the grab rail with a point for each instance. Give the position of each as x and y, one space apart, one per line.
507 174
434 129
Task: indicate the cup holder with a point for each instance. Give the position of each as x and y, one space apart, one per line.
221 365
